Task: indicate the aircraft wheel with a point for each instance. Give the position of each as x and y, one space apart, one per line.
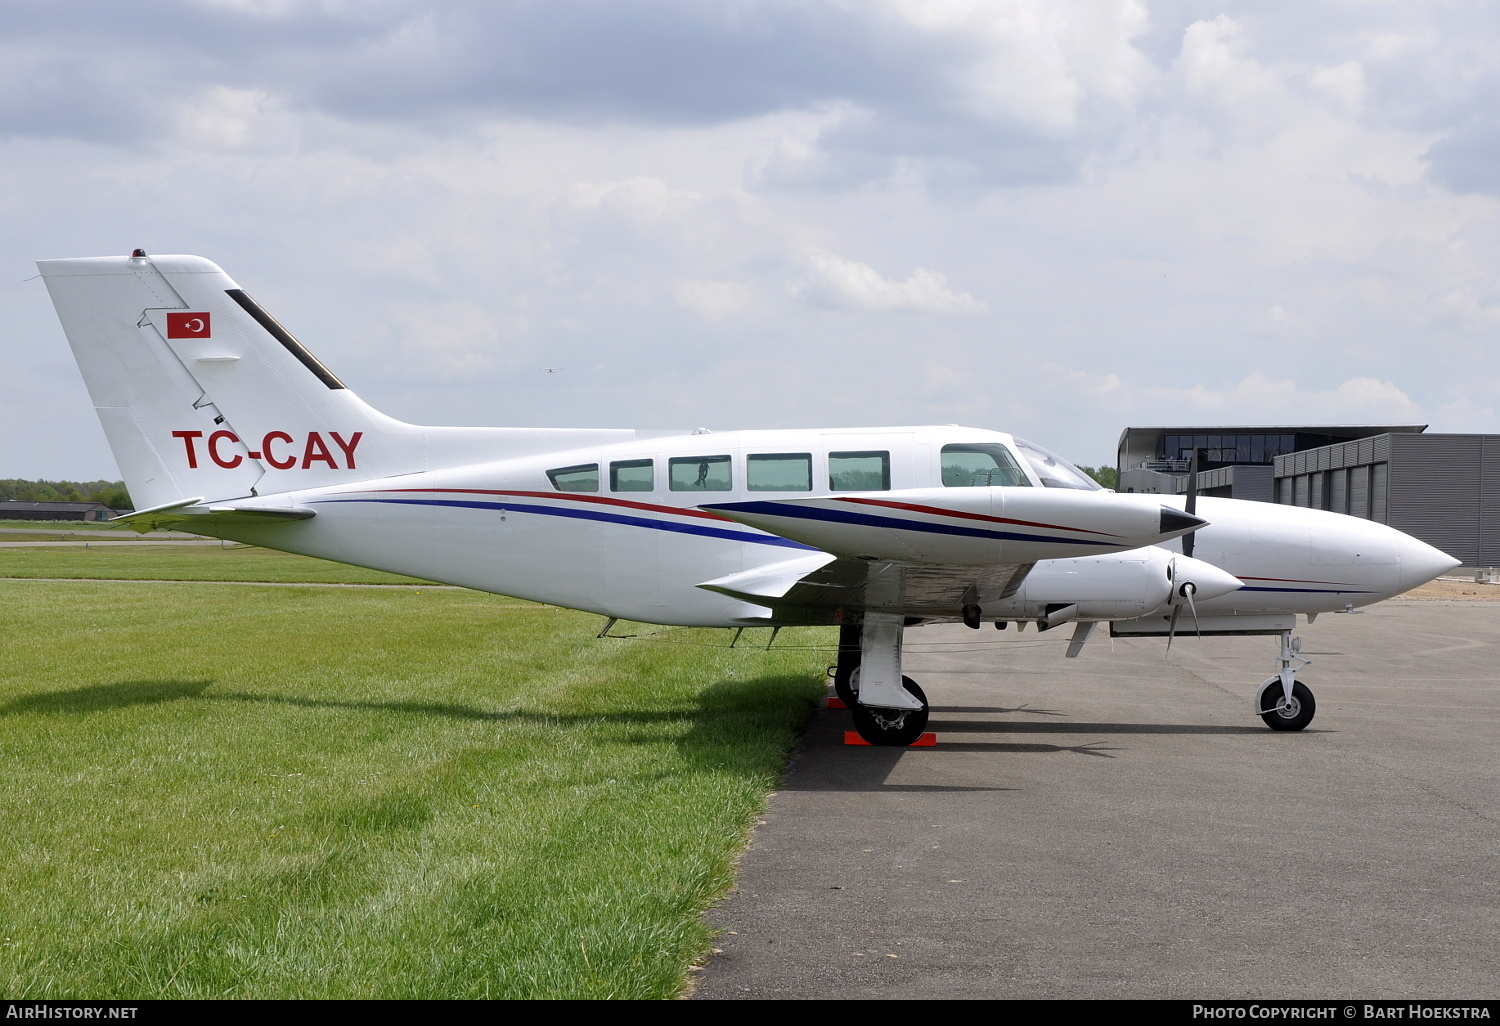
846 686
1290 717
891 727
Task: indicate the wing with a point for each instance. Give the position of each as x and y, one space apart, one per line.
823 588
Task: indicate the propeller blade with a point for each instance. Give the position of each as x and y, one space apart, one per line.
1187 590
1172 627
1191 506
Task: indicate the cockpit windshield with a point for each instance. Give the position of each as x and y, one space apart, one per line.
1055 471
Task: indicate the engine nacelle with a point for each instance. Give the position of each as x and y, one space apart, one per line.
1119 586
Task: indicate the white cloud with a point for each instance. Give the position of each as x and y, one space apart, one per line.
224 118
1259 398
716 300
1469 414
640 202
1201 196
1345 84
842 284
450 339
1035 61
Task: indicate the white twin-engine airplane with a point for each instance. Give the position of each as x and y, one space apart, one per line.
223 424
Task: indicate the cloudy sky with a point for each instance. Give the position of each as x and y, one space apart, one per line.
1048 217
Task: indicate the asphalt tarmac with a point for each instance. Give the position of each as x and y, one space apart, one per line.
1122 826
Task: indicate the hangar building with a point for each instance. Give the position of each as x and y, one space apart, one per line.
1441 488
20 509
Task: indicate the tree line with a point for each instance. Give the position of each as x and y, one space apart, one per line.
111 493
1106 476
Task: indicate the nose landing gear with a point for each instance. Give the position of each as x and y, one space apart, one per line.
1282 701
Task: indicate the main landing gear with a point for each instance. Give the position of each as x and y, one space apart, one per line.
885 712
1282 701
848 663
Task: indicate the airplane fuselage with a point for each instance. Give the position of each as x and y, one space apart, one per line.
632 542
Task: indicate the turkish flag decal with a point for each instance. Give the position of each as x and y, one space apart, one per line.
187 325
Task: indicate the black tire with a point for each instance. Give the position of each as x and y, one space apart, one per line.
844 688
849 659
1294 717
891 727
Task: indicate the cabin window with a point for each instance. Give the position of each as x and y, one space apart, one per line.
582 478
859 471
699 474
980 465
631 476
779 472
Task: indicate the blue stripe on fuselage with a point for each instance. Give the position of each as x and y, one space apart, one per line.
1315 591
590 514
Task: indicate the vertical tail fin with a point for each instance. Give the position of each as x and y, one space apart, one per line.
203 394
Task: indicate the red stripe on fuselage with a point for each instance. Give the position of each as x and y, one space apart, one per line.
969 516
572 496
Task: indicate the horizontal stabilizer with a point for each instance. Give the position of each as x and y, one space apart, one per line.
194 516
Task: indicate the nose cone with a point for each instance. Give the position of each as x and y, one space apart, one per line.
1209 580
1175 522
1421 562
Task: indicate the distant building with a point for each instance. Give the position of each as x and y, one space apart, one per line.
1234 462
1441 488
14 509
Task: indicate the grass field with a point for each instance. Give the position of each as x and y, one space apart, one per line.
392 792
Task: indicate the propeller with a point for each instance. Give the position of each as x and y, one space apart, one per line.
1190 508
1187 589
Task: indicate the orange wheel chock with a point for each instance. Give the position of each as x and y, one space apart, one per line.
927 740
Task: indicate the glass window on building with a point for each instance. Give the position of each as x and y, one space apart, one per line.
980 465
859 471
631 476
779 472
582 478
699 474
